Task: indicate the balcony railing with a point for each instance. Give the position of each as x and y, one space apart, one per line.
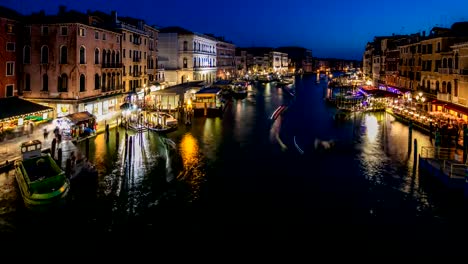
112 65
444 97
445 71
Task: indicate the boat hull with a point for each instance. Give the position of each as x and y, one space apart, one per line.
43 193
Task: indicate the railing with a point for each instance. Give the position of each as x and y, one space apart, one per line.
444 97
445 70
451 161
112 65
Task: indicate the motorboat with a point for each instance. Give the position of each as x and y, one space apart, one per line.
41 181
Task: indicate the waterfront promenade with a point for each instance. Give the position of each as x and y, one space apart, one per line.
10 148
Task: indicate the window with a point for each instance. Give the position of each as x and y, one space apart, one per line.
185 62
82 83
82 32
9 90
27 82
82 55
10 28
63 55
123 53
45 31
96 35
63 83
10 46
131 38
97 83
44 55
64 31
27 55
118 39
10 68
45 82
103 36
96 56
124 36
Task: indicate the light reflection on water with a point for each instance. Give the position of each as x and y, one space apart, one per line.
193 173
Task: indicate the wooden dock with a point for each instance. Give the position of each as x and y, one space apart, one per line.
446 165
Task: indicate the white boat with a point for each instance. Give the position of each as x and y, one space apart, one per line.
162 122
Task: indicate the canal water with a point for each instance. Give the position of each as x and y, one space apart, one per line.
244 176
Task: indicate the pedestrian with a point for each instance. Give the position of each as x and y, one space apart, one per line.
46 134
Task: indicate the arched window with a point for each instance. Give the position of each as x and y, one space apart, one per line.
104 57
185 63
103 83
450 63
63 83
456 61
96 56
185 45
97 82
63 55
449 87
82 55
45 82
82 83
428 85
44 55
117 58
437 86
444 63
27 55
27 82
113 81
444 87
194 62
113 58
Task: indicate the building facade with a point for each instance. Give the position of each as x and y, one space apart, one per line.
9 52
226 57
71 63
189 56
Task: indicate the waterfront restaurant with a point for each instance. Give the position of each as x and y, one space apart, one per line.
208 100
19 116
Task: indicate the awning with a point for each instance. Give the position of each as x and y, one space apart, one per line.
126 106
80 117
14 108
457 108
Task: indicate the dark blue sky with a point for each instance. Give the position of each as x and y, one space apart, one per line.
332 28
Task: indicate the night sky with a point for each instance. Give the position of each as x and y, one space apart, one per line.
333 28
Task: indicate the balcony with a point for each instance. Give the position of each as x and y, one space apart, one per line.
445 71
111 65
444 97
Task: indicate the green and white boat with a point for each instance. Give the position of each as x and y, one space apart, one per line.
41 181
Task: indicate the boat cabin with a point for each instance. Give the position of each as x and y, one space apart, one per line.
31 149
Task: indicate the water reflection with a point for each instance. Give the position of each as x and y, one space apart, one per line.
193 173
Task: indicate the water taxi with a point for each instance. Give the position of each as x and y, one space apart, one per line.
41 181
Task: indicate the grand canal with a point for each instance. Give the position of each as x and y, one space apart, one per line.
230 178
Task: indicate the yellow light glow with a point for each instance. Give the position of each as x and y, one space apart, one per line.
189 150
